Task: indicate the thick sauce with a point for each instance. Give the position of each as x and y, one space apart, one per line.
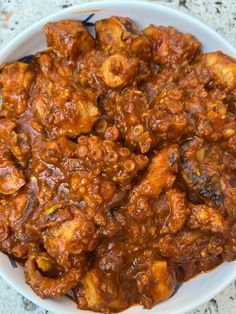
117 163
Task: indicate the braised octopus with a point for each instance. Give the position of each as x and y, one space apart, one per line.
118 163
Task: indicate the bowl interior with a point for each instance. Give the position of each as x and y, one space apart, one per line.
198 290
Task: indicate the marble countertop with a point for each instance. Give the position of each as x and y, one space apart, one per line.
16 15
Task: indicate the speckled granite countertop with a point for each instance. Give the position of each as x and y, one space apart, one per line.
16 15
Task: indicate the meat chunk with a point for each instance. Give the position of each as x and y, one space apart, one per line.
189 246
192 252
222 68
69 38
92 295
11 178
15 80
47 170
206 219
207 102
160 173
45 286
88 73
66 242
118 70
130 108
13 239
172 47
146 123
167 118
110 159
200 169
68 113
93 189
64 178
172 211
206 171
101 72
211 73
117 34
15 142
66 110
157 283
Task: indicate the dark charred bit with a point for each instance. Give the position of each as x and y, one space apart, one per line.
52 216
218 198
129 27
204 192
195 179
172 158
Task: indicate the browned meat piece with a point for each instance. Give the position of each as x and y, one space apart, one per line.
66 242
156 283
13 147
91 295
93 189
15 80
210 99
46 286
15 142
200 164
88 73
68 113
188 246
206 219
208 110
207 171
11 178
172 47
100 71
120 34
166 118
192 252
63 111
130 108
118 70
13 208
70 38
220 67
145 124
110 159
160 175
172 211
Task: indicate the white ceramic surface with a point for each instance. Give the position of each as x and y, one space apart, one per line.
198 290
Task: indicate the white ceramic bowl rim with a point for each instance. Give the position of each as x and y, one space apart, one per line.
226 271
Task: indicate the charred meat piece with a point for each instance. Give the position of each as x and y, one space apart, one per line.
69 38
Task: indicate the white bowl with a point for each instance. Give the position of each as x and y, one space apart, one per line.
198 290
